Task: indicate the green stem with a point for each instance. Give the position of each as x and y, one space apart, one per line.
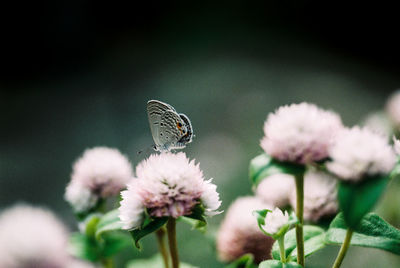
173 248
281 241
161 246
107 263
343 249
299 213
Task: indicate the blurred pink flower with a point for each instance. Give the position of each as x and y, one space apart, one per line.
32 237
100 173
167 185
239 233
320 196
300 133
393 107
359 152
275 189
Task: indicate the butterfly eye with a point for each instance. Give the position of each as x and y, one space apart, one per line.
179 125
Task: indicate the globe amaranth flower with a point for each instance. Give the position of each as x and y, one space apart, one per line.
300 133
320 196
32 237
167 185
358 153
393 107
275 221
239 233
100 173
275 189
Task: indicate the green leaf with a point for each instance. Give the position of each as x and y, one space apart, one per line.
90 223
357 199
154 262
278 264
263 166
109 222
151 226
314 240
260 216
396 170
114 242
372 232
196 219
245 261
196 224
84 247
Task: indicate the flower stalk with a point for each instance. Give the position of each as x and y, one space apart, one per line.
161 246
173 248
281 242
343 249
299 213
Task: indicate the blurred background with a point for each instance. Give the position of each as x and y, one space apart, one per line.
78 74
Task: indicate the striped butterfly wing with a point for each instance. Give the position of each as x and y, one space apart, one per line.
155 111
170 134
187 138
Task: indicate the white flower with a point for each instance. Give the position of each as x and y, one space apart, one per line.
396 145
80 197
167 185
393 107
300 133
275 189
239 233
359 152
131 209
320 196
100 173
275 220
32 237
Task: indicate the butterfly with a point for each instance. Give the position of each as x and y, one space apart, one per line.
169 129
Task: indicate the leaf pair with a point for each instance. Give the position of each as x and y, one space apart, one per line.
372 232
102 238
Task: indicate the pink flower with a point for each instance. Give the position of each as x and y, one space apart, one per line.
300 133
239 233
100 173
275 189
32 237
320 196
358 153
167 185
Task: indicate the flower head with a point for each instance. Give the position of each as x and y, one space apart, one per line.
239 233
359 152
320 196
393 107
32 237
275 189
275 221
167 185
100 173
300 133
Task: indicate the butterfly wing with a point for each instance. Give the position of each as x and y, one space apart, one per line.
170 133
155 111
187 138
